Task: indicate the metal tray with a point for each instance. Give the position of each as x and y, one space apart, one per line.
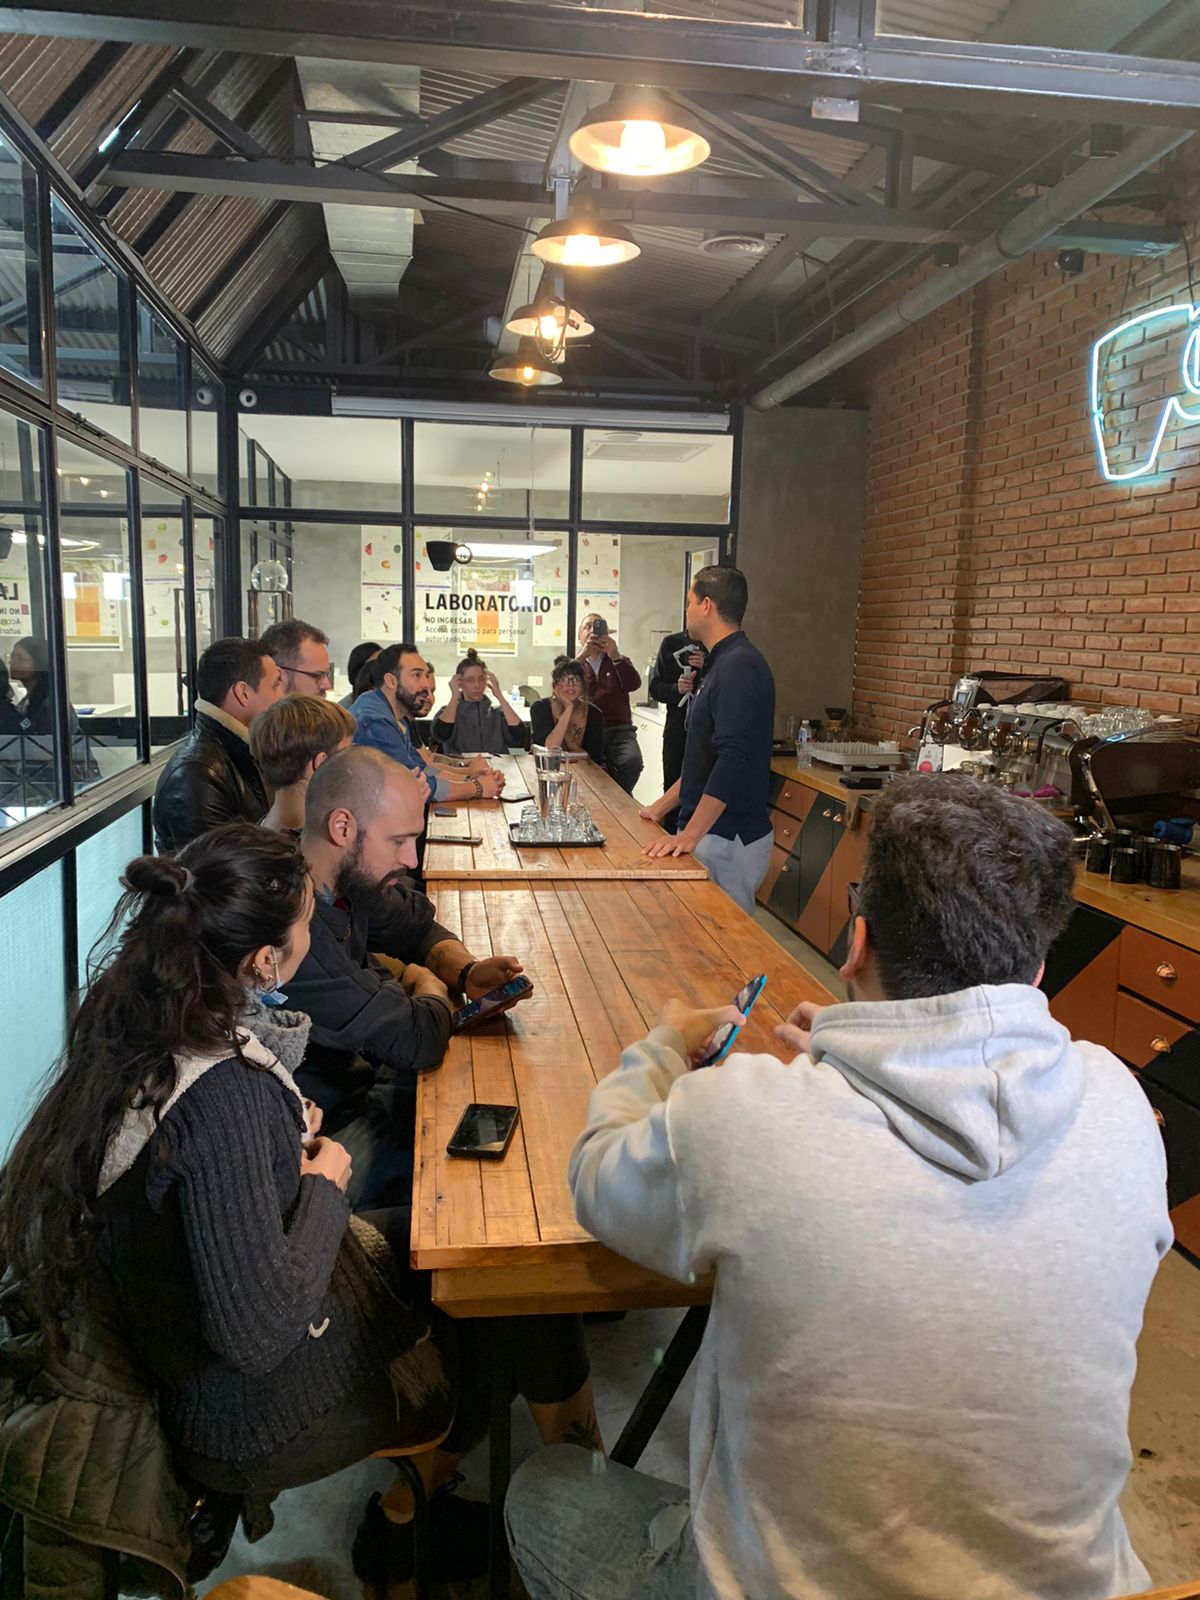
514 829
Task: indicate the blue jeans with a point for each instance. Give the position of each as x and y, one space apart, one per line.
582 1528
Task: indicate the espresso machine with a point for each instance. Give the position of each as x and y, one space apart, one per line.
1135 780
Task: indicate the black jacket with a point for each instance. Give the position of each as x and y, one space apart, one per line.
362 1019
541 725
664 688
210 779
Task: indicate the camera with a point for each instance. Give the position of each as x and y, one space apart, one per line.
445 553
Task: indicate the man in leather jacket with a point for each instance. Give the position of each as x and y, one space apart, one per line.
212 777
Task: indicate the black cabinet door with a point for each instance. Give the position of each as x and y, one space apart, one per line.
784 899
1181 1135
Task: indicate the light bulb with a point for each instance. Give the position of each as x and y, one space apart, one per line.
581 250
643 145
527 374
549 325
84 482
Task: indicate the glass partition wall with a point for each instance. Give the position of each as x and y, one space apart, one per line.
533 527
111 507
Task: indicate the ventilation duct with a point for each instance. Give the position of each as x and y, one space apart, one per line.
372 245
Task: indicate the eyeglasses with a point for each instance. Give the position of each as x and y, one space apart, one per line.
853 891
318 678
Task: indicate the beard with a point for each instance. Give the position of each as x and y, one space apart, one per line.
414 705
356 886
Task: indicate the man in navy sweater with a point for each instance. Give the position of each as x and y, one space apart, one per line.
722 793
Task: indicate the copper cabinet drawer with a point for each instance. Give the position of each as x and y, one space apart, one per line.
1164 972
1159 1045
796 799
787 831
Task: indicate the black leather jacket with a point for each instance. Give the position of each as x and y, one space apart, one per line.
210 779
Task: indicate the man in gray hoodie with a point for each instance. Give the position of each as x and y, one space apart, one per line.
933 1234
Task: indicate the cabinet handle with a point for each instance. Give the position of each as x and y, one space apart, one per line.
786 832
1159 1118
837 816
826 813
1166 972
1160 1046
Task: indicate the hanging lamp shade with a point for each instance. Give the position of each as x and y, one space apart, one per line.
639 134
525 365
544 317
585 240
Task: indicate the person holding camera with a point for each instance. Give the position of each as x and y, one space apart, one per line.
610 678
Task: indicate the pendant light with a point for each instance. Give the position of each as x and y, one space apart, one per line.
585 240
526 365
549 319
639 134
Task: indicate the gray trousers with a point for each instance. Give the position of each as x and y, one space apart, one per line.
736 867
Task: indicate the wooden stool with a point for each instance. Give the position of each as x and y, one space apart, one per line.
422 1555
1180 1591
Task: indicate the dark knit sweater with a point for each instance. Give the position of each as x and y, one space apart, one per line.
240 1286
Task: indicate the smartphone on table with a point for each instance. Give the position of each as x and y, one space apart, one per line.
484 1131
491 1004
719 1044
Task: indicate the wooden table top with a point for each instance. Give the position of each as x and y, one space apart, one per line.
614 812
1171 913
501 1237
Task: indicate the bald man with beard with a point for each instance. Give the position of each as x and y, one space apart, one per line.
373 1032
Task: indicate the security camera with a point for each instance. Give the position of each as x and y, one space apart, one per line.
1070 262
247 399
204 395
445 553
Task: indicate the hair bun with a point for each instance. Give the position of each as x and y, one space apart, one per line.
157 875
473 656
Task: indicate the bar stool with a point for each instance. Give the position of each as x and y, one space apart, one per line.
259 1589
422 1555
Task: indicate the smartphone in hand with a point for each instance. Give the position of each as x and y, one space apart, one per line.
721 1041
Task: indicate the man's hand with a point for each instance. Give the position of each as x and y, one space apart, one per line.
650 813
325 1158
697 1027
797 1030
477 766
684 686
492 784
490 974
675 844
418 982
493 684
609 645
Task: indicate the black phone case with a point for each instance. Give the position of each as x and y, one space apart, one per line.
470 1151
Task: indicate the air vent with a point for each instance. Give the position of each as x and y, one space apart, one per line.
674 450
739 246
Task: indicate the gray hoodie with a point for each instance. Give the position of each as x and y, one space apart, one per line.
933 1243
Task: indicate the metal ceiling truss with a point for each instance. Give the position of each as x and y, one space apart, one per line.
470 114
518 37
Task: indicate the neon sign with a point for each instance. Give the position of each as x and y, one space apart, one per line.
1185 408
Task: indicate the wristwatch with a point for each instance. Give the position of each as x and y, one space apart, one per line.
460 983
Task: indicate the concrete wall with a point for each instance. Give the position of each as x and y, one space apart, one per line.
799 544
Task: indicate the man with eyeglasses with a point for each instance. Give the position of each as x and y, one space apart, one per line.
301 653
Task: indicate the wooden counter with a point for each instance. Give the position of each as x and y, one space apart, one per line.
614 812
1171 913
822 779
500 1236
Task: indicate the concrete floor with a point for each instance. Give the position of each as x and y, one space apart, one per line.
310 1543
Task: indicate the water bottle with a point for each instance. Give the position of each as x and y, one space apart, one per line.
804 745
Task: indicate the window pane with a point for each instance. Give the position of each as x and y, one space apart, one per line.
208 399
97 613
33 990
28 768
329 463
99 863
638 582
482 471
164 598
510 603
206 531
91 331
656 477
20 273
162 392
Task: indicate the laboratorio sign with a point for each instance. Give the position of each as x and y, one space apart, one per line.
484 602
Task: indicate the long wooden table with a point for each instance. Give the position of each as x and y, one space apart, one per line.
501 1237
496 857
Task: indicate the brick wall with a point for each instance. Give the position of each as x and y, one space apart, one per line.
991 538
